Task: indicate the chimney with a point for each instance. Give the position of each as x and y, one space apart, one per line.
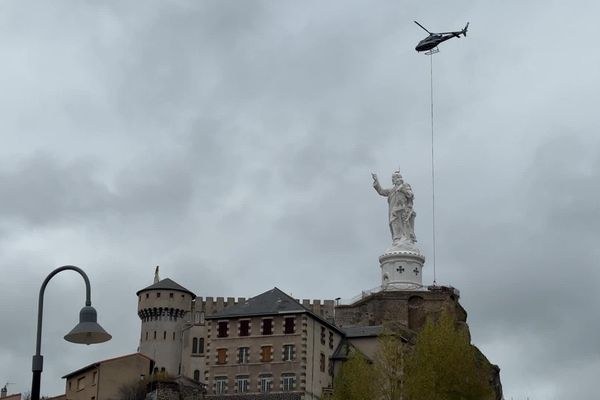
3 392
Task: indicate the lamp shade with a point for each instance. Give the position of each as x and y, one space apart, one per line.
87 331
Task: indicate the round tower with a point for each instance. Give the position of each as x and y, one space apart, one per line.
163 308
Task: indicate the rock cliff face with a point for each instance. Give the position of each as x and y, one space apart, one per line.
407 311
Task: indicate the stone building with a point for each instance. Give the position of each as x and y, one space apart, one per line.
103 380
275 346
271 346
181 331
164 309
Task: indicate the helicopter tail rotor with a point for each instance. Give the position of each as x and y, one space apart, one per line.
464 31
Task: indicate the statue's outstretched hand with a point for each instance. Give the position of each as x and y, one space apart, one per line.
375 180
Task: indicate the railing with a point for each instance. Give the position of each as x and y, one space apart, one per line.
377 289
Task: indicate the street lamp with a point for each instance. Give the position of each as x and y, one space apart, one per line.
87 331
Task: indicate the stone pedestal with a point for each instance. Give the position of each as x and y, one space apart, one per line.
401 268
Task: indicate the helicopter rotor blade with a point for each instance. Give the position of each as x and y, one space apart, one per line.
425 29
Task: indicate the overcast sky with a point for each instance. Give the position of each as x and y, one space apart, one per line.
231 143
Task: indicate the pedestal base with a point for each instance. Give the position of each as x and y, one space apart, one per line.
401 269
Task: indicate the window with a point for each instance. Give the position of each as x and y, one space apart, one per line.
330 340
221 356
170 295
154 335
288 382
70 385
267 326
322 362
157 294
243 355
266 353
322 335
288 352
220 384
173 335
95 377
223 329
245 328
201 345
146 335
242 384
196 375
147 295
266 383
165 335
194 345
288 326
81 383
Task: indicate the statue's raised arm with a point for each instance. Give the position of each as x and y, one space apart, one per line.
377 186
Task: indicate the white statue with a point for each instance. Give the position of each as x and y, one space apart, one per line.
401 214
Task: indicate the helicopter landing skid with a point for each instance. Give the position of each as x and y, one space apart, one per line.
432 51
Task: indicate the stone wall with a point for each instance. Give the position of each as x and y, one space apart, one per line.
174 391
259 396
409 308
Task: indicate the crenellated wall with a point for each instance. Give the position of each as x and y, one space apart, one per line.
211 305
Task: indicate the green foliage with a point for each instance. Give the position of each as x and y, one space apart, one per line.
389 367
444 365
355 380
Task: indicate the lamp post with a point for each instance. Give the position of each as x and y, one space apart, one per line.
87 331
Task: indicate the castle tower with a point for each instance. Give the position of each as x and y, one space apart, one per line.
402 264
163 308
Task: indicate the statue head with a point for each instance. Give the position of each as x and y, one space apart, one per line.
397 178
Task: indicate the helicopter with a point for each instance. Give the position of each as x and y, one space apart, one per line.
434 39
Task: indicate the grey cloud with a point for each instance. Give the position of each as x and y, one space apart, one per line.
40 191
228 140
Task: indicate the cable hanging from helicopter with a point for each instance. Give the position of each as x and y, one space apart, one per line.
429 46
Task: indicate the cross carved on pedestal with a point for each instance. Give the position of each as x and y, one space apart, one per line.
416 271
400 269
